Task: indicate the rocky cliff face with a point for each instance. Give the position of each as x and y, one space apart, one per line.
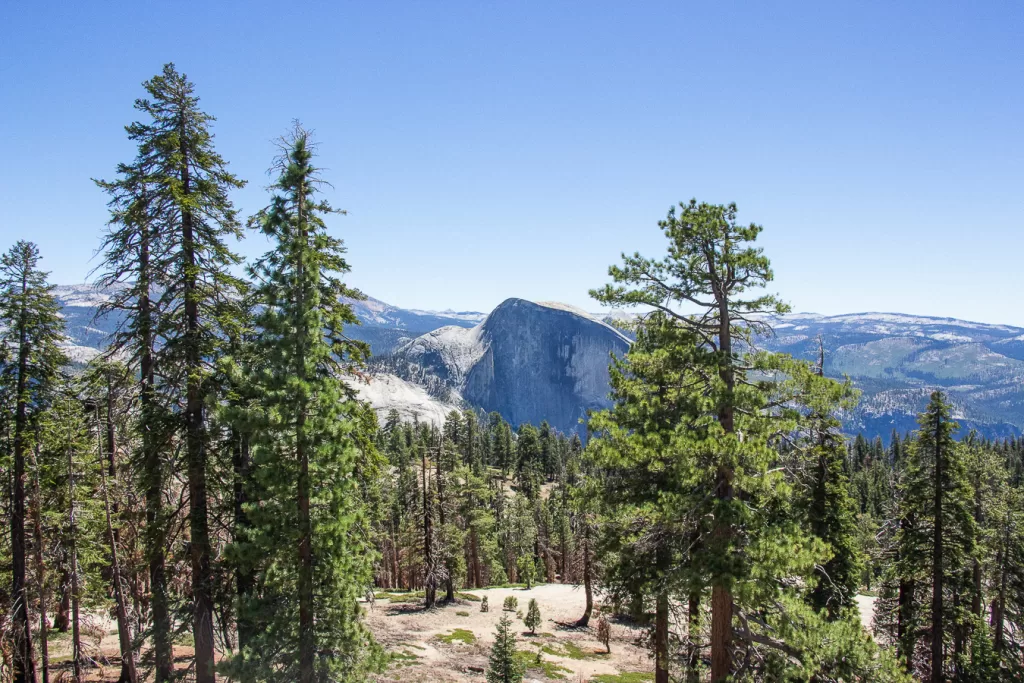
543 363
528 361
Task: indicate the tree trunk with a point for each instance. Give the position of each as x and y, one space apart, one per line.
693 638
243 575
306 643
474 544
979 519
76 636
24 666
588 579
449 583
154 480
999 612
396 569
430 574
124 636
37 523
723 532
195 444
937 572
661 638
62 619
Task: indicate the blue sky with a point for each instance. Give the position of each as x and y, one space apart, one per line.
487 150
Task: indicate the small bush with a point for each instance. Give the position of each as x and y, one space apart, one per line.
532 619
462 614
484 607
511 603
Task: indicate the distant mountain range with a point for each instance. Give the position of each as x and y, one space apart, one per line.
535 361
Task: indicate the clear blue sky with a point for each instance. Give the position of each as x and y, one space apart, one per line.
487 150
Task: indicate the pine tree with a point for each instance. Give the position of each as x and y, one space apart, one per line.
129 270
533 619
711 264
69 453
830 508
190 184
934 547
695 421
504 666
31 330
307 525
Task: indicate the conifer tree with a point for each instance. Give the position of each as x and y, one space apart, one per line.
503 666
830 508
173 209
31 331
532 619
190 182
306 619
129 270
935 546
68 451
711 263
693 395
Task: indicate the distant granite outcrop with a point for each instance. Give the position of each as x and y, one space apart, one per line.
527 361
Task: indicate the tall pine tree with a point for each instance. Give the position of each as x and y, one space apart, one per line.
306 617
31 331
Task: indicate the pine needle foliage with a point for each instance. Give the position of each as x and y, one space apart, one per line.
503 665
305 533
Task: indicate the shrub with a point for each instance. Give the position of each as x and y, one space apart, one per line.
532 619
484 607
511 603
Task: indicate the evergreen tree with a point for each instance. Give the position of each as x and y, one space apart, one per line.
503 665
31 330
711 263
830 508
69 454
306 617
532 619
721 480
130 270
935 546
190 183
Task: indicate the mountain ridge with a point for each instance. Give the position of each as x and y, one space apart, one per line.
440 360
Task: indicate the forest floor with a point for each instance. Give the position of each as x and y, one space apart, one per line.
451 643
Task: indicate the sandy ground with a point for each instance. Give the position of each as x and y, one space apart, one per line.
407 628
413 633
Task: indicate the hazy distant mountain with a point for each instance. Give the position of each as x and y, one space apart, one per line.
898 360
531 362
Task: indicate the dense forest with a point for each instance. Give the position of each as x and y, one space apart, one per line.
211 479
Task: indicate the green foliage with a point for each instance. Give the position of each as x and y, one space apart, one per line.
527 570
306 539
511 603
460 635
484 607
504 666
533 618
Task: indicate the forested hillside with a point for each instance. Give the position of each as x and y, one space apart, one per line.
201 491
